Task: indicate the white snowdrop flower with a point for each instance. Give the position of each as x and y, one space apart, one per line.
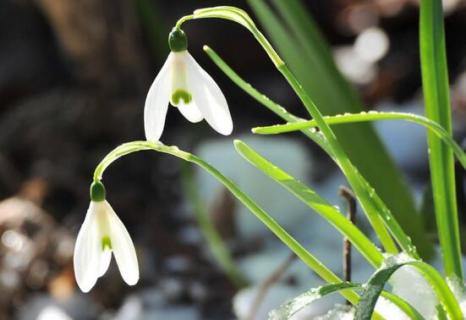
102 233
185 85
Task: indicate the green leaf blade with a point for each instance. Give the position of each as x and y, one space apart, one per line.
314 201
376 284
437 107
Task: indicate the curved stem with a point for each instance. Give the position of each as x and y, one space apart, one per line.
310 260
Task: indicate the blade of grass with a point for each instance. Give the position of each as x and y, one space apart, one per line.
291 307
310 260
437 105
371 116
314 201
298 39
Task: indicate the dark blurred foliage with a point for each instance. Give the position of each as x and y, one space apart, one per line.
73 79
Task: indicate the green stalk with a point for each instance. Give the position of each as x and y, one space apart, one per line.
437 104
310 260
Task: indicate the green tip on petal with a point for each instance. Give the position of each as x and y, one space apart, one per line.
177 40
97 191
181 95
106 243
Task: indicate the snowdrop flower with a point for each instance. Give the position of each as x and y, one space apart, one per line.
184 84
101 234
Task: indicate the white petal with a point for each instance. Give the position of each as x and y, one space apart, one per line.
190 111
156 106
87 251
104 261
208 97
123 248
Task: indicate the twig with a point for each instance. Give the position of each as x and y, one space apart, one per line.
348 195
268 282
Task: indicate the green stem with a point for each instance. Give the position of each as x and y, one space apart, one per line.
310 260
437 106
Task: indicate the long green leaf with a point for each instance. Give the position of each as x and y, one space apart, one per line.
302 47
289 308
437 105
346 118
376 283
314 201
309 259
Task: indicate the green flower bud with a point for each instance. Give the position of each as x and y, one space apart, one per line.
97 191
177 40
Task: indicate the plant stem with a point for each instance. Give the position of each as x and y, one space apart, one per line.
309 259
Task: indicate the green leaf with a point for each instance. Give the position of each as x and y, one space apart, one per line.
373 288
346 118
437 105
291 307
299 42
314 201
288 309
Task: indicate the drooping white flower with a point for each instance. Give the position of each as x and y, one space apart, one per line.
102 233
184 84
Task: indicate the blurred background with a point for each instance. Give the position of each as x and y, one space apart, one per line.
73 80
